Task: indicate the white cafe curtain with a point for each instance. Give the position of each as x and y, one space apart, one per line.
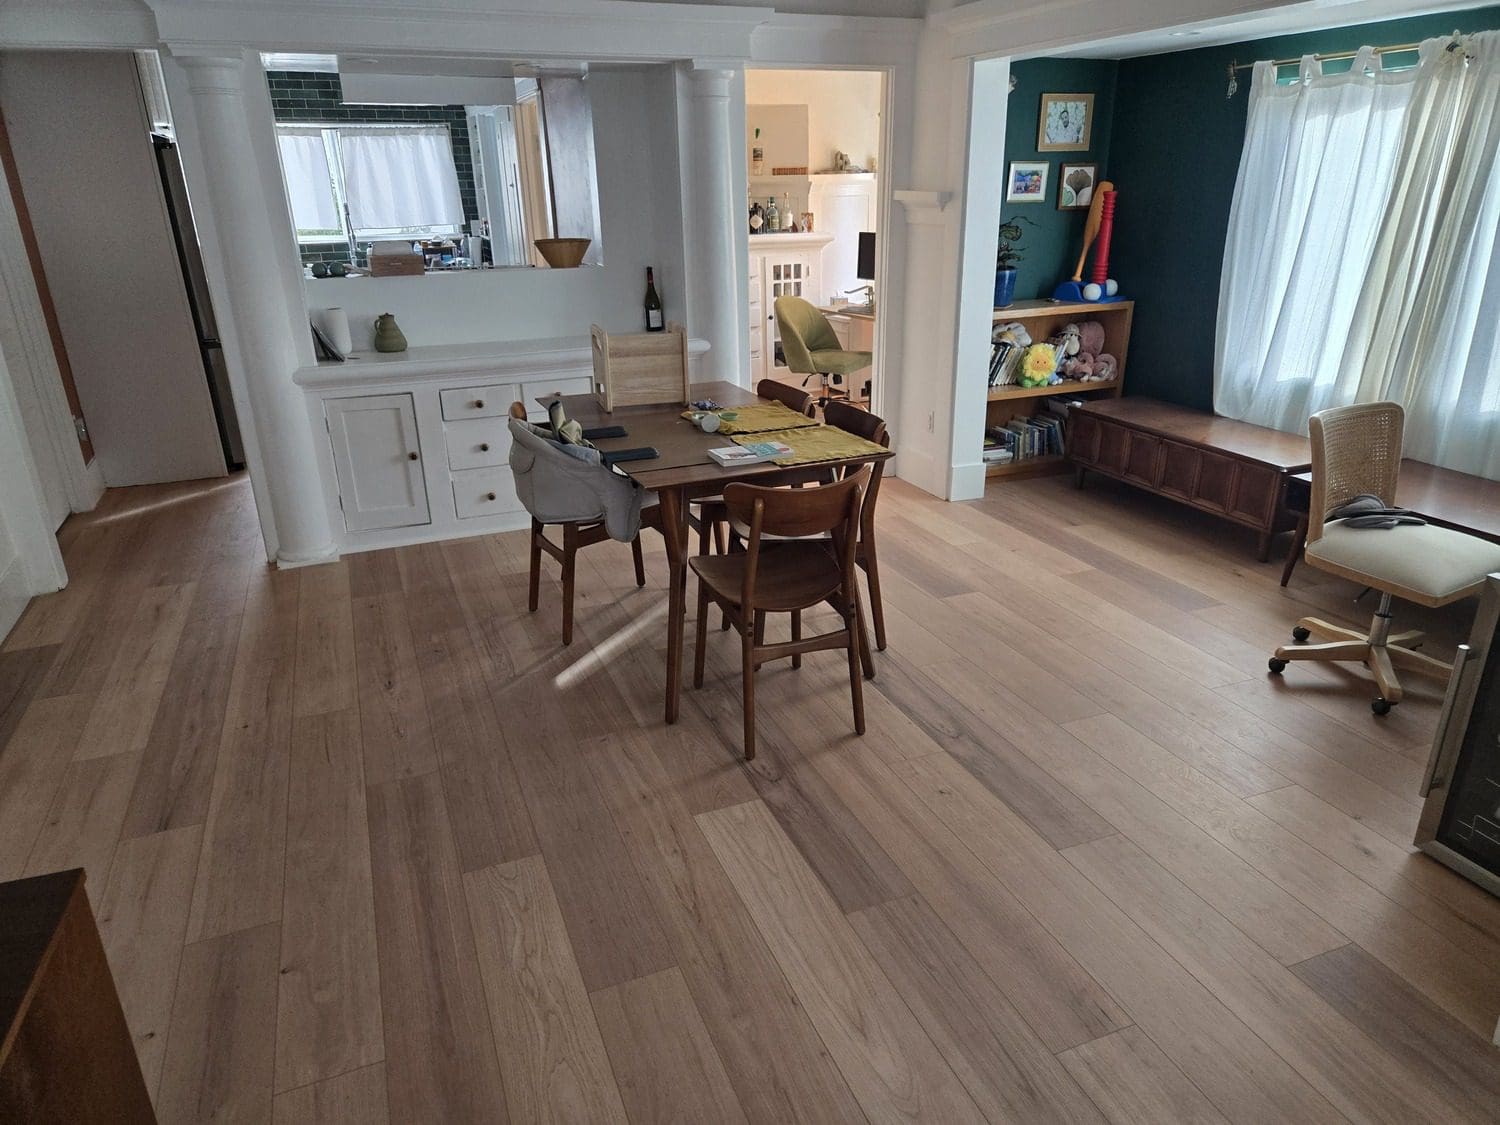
400 178
1363 257
309 182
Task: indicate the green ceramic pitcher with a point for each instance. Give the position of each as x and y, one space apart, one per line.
388 337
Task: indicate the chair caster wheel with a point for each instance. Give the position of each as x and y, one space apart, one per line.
1276 665
1380 705
1300 635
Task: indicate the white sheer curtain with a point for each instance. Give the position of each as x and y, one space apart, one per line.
399 179
309 181
1314 179
1363 258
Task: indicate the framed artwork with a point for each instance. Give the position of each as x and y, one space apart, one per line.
1075 186
1027 182
1066 122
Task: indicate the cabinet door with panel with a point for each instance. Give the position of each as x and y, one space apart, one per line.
378 460
790 273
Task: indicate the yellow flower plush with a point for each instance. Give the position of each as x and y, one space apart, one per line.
1037 365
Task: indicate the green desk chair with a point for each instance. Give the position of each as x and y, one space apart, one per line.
812 348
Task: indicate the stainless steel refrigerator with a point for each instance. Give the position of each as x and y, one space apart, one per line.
1460 823
185 235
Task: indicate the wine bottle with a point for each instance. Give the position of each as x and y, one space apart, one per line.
654 320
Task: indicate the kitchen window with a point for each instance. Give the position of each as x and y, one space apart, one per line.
368 182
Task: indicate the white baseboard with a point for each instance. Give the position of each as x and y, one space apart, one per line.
13 596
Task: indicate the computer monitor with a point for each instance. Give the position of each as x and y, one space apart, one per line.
865 269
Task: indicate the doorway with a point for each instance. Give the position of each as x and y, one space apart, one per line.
815 143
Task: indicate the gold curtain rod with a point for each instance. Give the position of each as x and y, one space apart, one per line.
1394 49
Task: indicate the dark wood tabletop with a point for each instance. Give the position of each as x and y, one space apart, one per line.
1445 497
1287 452
683 460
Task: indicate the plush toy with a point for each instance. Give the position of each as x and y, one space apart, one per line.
1007 342
1091 363
1068 342
1038 366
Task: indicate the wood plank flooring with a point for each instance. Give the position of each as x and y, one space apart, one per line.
367 844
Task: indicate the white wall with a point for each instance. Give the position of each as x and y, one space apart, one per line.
30 562
843 110
641 209
91 183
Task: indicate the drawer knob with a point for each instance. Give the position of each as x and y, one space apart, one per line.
484 447
479 404
411 456
489 496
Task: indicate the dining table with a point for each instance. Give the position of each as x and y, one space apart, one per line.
682 470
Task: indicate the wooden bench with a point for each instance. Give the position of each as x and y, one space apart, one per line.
1441 496
1230 469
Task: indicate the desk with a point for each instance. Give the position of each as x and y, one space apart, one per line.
1441 496
854 325
684 470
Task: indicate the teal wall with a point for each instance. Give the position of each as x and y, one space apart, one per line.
1050 248
1174 162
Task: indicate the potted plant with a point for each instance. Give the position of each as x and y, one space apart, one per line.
1006 257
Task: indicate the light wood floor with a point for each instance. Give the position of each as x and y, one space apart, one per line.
366 844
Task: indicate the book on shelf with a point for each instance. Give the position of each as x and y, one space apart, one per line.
750 454
1021 439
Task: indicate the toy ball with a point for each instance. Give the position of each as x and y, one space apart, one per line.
1092 291
1111 287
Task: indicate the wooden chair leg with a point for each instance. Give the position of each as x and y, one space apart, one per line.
796 636
701 628
877 607
702 531
721 537
747 645
856 685
534 594
1299 540
640 562
570 557
760 626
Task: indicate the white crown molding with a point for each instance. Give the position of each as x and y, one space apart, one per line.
81 24
600 30
840 40
915 201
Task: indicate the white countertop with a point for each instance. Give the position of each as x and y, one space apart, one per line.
521 358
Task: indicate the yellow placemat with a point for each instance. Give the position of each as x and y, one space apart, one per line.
811 445
757 418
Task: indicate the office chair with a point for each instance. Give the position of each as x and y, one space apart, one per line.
1356 450
811 346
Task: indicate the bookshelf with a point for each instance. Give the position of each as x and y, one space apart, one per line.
1043 319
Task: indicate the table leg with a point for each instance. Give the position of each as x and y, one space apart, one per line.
674 531
1299 540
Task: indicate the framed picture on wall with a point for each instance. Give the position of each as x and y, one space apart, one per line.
1027 182
1066 122
1075 186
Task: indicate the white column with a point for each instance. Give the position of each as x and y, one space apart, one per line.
712 222
262 313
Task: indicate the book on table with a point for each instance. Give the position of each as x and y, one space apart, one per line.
752 453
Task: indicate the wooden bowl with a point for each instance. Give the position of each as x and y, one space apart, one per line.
563 253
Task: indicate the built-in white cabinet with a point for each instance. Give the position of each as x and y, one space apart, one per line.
419 441
781 265
378 460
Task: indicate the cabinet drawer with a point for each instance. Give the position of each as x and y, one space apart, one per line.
1257 492
478 443
1142 458
484 492
491 401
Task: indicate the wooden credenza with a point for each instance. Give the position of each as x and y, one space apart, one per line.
66 1056
1230 469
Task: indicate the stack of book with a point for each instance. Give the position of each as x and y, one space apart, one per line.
1020 439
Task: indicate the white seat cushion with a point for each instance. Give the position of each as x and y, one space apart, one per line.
1422 563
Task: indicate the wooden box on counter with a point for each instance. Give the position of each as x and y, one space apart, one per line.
640 368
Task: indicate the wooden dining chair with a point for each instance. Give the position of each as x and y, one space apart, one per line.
789 574
707 513
852 419
576 534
